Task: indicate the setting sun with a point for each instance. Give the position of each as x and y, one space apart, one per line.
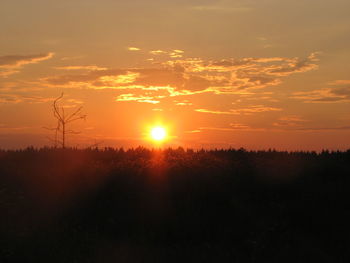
158 133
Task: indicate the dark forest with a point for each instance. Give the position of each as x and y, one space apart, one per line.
172 205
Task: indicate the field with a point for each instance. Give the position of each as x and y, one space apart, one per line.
171 205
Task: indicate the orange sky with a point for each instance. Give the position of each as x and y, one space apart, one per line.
246 73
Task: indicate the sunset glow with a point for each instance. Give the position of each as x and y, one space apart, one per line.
273 82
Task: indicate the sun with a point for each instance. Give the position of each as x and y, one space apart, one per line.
158 133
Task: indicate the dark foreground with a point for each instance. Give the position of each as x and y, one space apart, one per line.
174 205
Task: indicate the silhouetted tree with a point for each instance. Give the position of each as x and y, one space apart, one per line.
63 119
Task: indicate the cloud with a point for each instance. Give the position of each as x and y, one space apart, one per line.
121 79
216 112
193 131
342 92
340 82
16 61
72 58
7 73
15 99
175 53
90 68
190 76
11 129
239 126
74 101
134 49
86 78
159 77
12 63
232 128
292 118
183 103
337 128
242 127
297 65
289 121
326 95
244 111
158 52
132 97
256 109
230 75
178 51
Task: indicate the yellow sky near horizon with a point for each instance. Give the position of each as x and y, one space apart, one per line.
246 73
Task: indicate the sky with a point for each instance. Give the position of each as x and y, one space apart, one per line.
257 74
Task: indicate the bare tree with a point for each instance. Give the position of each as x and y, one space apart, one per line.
63 119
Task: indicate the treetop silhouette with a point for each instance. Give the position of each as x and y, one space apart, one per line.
63 119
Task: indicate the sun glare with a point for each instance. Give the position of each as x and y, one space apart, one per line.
158 134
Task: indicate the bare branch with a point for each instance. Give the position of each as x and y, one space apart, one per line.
74 113
77 118
57 99
63 119
56 109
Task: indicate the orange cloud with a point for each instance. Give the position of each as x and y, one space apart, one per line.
256 109
340 82
128 78
11 63
86 78
158 52
183 103
134 49
297 65
326 95
7 128
246 111
192 75
175 53
246 73
233 127
15 98
193 131
16 61
186 77
132 97
289 121
90 68
217 112
239 126
336 128
243 127
7 73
